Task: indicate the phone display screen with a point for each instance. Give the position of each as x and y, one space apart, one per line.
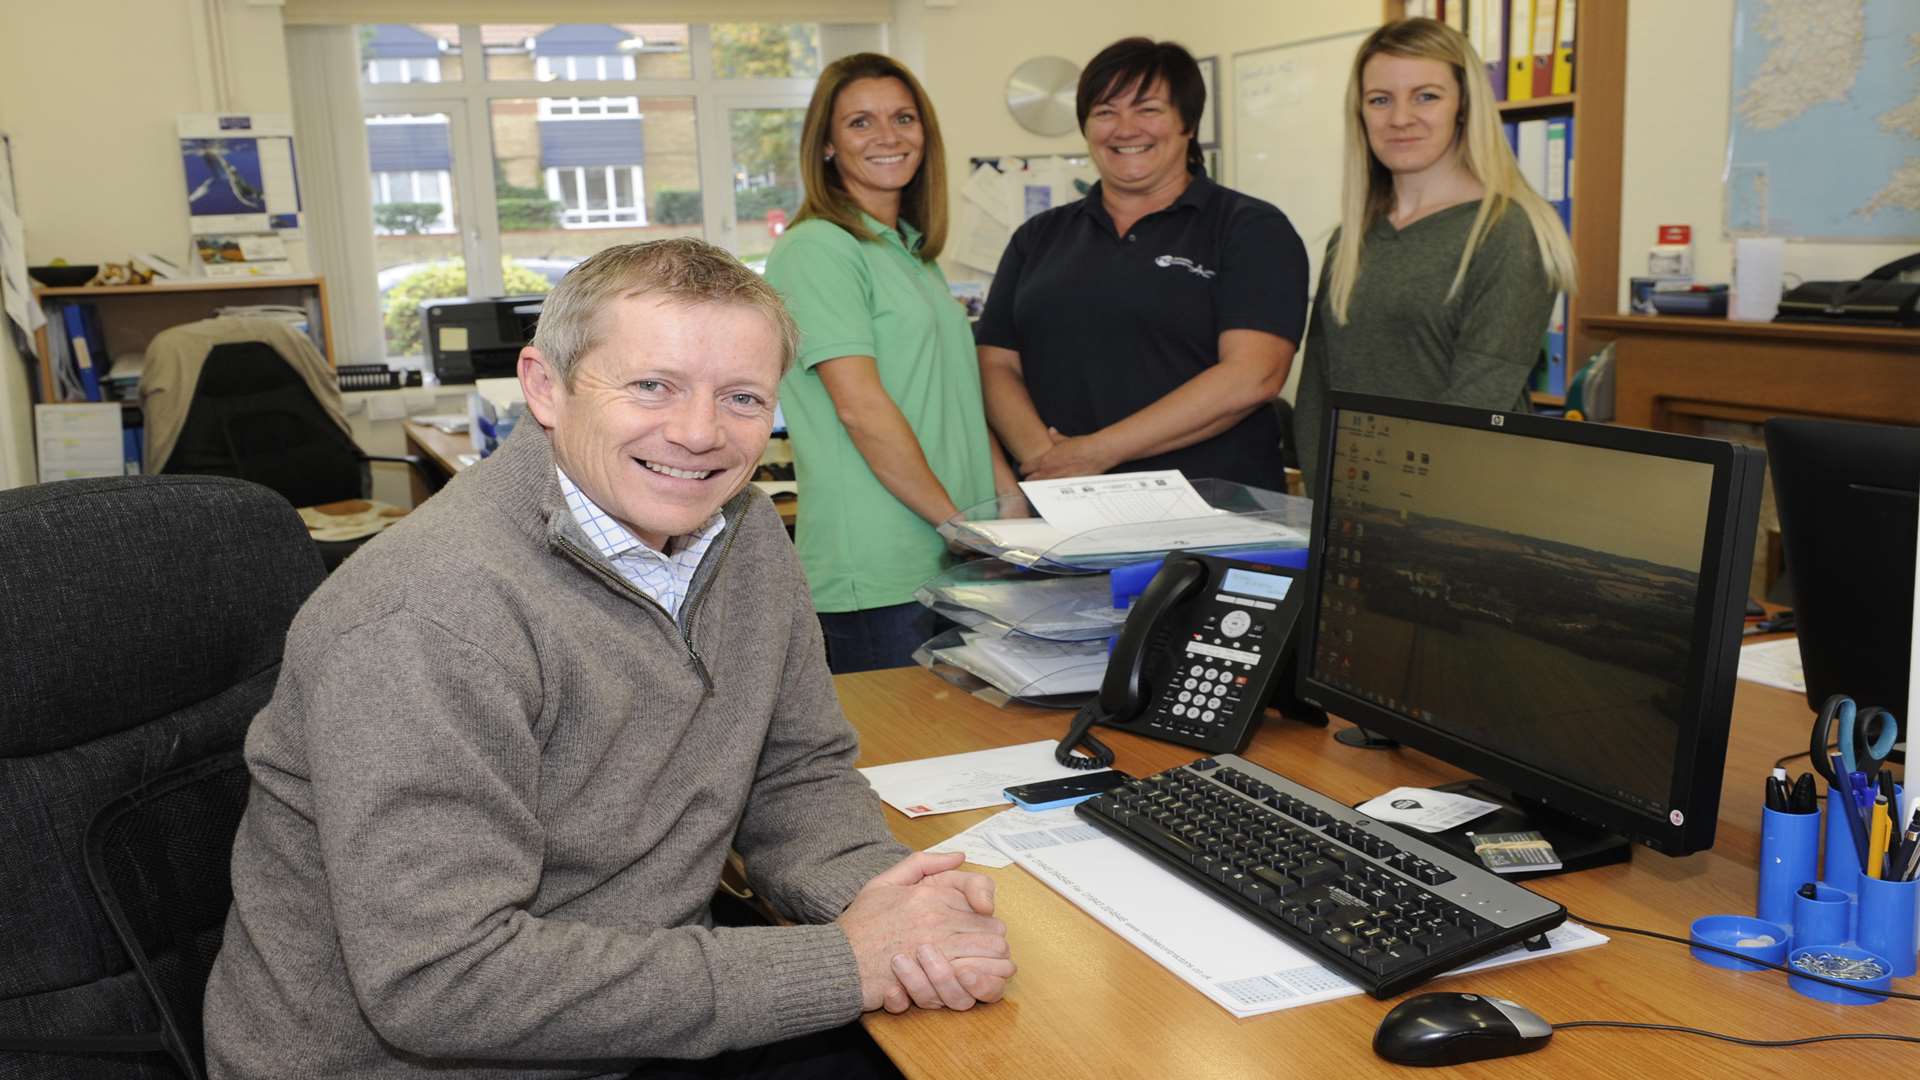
1254 583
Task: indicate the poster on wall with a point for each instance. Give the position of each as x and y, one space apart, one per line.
243 195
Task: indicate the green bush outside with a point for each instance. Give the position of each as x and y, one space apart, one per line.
676 206
518 214
411 218
754 203
442 279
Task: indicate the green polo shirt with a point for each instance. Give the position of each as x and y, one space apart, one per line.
861 547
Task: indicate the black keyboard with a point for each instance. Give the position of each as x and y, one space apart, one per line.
1383 909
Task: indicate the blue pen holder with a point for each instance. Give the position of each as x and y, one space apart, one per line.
1789 858
1841 866
1826 918
1885 922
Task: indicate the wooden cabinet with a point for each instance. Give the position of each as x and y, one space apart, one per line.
1672 374
1599 110
130 315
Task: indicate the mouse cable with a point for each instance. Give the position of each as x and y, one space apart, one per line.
1657 935
1782 763
1733 1038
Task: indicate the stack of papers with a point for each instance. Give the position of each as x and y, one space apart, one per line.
1056 608
1087 520
1025 667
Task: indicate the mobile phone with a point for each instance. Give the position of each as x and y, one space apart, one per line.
1051 794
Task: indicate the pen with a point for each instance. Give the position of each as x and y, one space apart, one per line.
1841 800
1805 800
1776 795
1908 844
1913 860
1877 840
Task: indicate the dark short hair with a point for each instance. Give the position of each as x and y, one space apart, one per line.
1136 63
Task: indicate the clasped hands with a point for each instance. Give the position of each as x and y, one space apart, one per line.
1069 455
924 935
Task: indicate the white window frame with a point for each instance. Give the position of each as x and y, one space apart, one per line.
429 69
384 193
565 179
467 102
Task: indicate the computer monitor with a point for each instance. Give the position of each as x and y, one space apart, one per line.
1553 605
1849 499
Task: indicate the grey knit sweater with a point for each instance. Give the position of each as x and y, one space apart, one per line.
494 790
1405 338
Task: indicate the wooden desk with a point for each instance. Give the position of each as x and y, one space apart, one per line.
442 452
1670 372
1086 1004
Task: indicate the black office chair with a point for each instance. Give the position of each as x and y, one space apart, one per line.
253 417
142 620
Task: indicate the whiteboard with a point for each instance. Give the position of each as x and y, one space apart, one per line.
1288 127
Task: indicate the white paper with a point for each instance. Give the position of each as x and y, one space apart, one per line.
1079 503
976 842
1758 262
991 190
1425 809
943 785
1029 667
386 405
1237 963
1026 541
77 441
1774 663
980 240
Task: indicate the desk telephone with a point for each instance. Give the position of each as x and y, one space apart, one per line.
1197 660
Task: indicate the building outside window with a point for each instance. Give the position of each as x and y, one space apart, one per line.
496 177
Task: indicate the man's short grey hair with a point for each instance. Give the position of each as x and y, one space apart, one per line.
682 270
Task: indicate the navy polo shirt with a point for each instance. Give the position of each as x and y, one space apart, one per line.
1106 325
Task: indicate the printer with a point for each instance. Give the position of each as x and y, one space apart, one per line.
470 338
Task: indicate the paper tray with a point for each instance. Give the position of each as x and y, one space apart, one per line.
1244 518
1001 669
993 596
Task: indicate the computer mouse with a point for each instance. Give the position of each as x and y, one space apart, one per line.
1448 1029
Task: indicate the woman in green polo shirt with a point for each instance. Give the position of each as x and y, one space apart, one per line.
889 434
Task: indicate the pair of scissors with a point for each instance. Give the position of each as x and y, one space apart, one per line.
1865 739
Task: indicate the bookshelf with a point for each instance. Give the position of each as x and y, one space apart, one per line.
132 314
1599 106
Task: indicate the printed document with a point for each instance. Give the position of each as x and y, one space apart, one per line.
943 785
1079 503
1425 809
1244 968
1774 663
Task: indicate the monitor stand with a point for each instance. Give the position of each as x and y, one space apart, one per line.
1366 740
1580 845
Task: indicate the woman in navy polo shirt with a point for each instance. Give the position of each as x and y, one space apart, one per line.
1151 324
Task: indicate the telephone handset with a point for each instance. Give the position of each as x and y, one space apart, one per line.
1197 657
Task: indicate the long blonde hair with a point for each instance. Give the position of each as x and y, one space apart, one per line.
1366 190
923 202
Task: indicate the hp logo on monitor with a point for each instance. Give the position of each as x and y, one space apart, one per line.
1499 421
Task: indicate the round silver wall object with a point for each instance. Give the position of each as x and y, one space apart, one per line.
1040 95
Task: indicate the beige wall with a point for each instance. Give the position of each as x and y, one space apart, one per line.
1679 85
89 92
965 53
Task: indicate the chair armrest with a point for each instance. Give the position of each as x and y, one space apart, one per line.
418 464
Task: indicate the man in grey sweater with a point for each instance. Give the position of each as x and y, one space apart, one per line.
515 735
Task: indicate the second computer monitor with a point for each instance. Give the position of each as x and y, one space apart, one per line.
1553 605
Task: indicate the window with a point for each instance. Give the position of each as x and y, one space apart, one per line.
409 53
596 196
497 177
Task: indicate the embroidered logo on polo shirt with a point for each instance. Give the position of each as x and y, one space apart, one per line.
1182 261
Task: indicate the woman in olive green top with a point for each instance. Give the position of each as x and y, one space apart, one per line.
1440 281
883 408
